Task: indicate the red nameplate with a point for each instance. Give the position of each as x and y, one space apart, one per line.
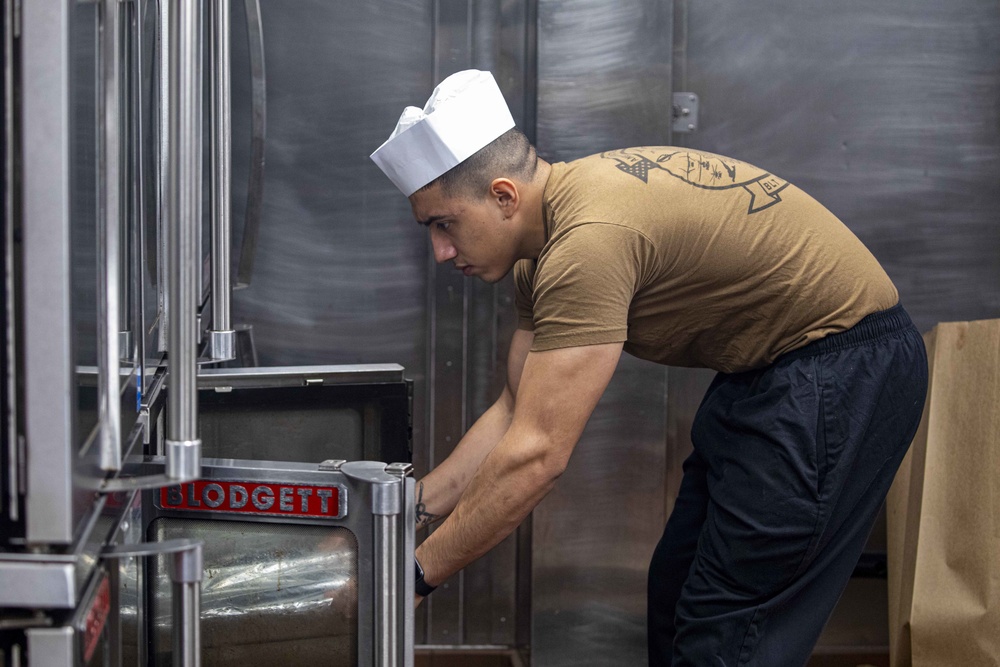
272 499
97 616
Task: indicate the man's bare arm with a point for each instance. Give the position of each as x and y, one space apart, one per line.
439 491
557 394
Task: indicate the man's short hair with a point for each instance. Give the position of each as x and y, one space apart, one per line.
510 155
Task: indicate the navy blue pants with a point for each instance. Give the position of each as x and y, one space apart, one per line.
791 464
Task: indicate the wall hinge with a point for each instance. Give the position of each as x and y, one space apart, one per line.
685 112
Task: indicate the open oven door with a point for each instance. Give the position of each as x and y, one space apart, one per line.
304 564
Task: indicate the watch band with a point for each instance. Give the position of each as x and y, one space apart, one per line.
421 587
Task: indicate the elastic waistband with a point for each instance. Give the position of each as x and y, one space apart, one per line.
870 328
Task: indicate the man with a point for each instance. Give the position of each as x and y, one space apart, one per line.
683 258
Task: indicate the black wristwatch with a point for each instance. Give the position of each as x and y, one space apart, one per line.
421 587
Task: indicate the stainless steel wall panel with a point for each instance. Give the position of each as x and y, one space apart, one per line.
604 81
685 389
595 533
341 272
490 602
449 301
473 323
339 276
604 75
885 112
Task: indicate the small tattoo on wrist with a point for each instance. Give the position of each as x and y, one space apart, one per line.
424 518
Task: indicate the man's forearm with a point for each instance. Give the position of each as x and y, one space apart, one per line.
439 491
515 476
556 396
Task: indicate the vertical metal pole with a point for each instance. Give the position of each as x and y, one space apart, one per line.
187 629
109 175
183 215
10 150
127 119
138 179
221 343
387 589
163 51
186 576
403 563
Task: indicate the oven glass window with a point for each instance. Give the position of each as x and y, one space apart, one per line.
273 594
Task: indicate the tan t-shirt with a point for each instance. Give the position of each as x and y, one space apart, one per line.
691 259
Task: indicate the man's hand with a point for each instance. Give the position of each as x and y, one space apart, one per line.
557 393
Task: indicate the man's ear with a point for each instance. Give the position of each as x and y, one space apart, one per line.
504 192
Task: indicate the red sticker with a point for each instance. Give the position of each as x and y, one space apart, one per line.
97 616
273 499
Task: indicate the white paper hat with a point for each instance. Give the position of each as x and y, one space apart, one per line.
464 113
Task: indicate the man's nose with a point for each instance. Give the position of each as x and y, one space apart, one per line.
444 250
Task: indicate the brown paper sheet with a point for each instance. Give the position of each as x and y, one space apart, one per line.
944 510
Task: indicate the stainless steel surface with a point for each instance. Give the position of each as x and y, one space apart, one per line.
405 583
258 136
469 330
183 458
221 342
165 44
885 113
391 600
38 585
604 81
296 376
306 416
125 342
183 217
222 345
407 595
387 584
187 628
449 294
365 298
604 75
10 483
110 175
140 147
52 647
53 515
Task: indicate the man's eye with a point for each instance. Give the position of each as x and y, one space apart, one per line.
443 226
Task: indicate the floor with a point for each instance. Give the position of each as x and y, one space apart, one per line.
506 659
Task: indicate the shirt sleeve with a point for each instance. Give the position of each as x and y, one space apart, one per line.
584 284
524 278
